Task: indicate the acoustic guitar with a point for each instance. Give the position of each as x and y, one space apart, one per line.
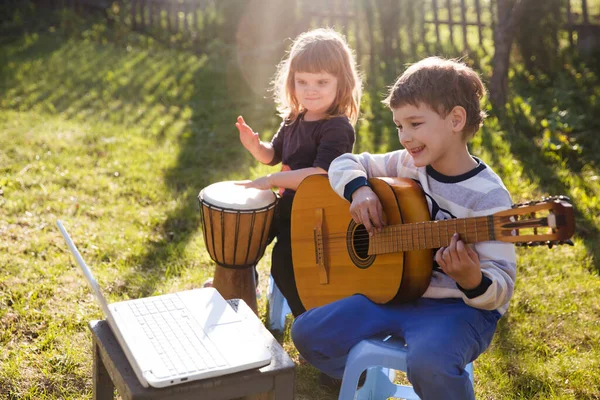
333 257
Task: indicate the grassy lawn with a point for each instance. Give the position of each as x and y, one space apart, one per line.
116 138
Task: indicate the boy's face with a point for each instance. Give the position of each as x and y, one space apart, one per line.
315 91
430 139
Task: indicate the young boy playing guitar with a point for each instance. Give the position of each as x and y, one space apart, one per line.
436 108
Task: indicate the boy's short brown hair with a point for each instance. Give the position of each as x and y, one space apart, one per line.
441 84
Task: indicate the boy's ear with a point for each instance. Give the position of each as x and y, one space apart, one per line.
458 116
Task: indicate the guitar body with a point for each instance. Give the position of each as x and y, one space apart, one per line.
329 250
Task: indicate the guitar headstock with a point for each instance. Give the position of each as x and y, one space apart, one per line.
549 221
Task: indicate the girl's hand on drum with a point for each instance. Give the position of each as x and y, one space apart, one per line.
263 183
248 137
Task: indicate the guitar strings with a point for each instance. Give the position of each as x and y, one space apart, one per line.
402 239
409 232
364 237
423 234
434 228
398 230
389 238
403 244
378 237
415 229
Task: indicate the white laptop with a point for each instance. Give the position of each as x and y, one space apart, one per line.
179 337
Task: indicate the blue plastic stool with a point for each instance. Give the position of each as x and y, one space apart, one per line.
278 307
380 357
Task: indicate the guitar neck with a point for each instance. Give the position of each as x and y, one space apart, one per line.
431 234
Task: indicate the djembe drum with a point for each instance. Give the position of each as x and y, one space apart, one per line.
235 223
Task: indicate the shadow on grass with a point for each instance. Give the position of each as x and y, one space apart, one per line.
171 96
540 167
209 152
524 384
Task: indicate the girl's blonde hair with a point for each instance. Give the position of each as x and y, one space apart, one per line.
316 51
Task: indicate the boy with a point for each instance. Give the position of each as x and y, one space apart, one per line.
436 108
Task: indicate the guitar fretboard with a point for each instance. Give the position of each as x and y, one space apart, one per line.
431 234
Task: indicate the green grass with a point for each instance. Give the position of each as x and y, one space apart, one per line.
116 137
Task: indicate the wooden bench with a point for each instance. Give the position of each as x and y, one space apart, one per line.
111 369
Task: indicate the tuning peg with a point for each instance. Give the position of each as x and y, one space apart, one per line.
562 197
523 204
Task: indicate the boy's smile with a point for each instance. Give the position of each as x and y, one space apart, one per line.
315 92
416 150
433 140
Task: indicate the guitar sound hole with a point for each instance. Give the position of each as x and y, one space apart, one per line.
357 242
361 242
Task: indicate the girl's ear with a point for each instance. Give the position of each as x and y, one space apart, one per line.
458 116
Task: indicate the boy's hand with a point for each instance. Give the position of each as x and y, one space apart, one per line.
262 183
366 209
248 137
460 262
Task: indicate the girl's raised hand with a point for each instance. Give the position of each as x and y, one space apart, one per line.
248 137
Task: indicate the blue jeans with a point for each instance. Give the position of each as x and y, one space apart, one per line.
442 335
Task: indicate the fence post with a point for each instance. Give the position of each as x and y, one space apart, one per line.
436 21
463 14
450 21
570 23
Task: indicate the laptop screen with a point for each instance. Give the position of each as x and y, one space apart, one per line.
86 271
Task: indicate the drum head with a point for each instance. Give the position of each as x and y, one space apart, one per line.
228 195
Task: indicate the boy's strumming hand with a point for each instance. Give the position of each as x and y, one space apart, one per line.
366 209
460 262
248 137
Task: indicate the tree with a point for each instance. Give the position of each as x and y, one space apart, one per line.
510 13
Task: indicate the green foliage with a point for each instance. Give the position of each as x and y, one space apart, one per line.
558 112
538 35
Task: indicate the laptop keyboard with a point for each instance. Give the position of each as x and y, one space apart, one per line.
176 337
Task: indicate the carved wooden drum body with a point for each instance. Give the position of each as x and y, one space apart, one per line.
236 222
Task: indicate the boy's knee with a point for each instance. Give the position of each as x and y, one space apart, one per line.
299 332
307 339
305 332
319 327
431 365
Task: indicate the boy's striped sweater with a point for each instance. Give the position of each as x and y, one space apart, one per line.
478 192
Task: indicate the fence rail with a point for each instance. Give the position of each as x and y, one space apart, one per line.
397 30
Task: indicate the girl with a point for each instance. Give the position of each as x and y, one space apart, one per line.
317 91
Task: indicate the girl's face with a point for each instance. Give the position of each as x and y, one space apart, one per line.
315 92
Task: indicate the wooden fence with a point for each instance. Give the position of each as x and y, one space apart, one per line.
185 16
396 30
583 28
189 16
454 21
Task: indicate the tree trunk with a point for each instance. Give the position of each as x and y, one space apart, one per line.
373 59
509 15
